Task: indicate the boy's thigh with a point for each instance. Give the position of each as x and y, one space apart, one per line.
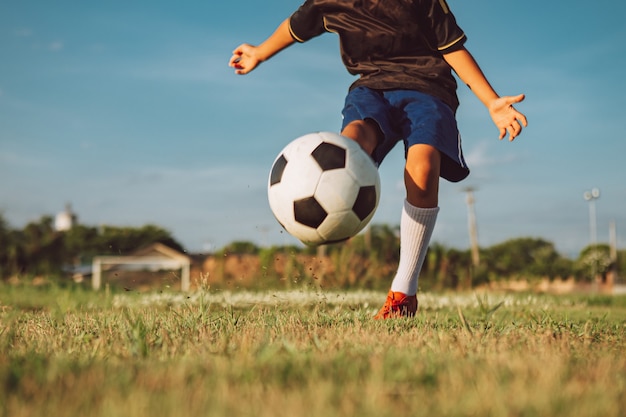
427 120
424 119
363 103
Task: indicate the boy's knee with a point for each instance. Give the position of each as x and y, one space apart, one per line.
422 171
424 158
366 133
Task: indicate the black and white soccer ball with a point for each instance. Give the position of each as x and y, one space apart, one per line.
323 188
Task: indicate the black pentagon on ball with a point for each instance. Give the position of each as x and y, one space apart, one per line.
309 212
329 156
365 202
277 170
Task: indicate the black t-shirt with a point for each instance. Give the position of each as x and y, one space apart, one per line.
391 44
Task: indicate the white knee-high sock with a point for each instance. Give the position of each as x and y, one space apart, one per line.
416 228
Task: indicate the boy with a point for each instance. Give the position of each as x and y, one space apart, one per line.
403 52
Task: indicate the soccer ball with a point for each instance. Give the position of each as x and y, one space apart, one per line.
323 188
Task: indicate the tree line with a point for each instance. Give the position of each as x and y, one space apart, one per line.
39 250
373 255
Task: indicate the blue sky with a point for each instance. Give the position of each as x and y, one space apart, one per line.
129 111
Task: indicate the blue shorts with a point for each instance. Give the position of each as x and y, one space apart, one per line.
412 117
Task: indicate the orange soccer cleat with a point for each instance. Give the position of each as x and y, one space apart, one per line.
397 305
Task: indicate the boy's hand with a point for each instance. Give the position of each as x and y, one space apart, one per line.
506 117
244 59
247 57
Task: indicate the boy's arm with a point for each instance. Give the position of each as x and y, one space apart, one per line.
247 57
503 114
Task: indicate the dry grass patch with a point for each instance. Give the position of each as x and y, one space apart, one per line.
277 354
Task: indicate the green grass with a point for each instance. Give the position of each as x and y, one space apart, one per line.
72 352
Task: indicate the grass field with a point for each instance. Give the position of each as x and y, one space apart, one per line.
72 352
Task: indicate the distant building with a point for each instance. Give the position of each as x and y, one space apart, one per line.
65 220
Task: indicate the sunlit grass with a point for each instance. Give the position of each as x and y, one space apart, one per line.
309 353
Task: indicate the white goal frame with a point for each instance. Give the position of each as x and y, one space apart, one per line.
169 262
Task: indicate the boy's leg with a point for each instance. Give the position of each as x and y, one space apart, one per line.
417 223
422 170
419 215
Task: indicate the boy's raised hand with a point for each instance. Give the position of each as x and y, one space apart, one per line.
244 59
247 57
506 117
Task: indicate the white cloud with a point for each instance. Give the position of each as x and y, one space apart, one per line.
477 156
481 156
167 66
13 159
23 32
56 46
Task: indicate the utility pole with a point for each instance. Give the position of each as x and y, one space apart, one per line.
471 220
612 275
591 197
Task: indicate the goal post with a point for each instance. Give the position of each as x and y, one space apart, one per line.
183 264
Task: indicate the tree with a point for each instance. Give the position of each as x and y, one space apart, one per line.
593 261
385 240
527 257
113 240
240 248
81 244
43 247
6 246
456 269
621 263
